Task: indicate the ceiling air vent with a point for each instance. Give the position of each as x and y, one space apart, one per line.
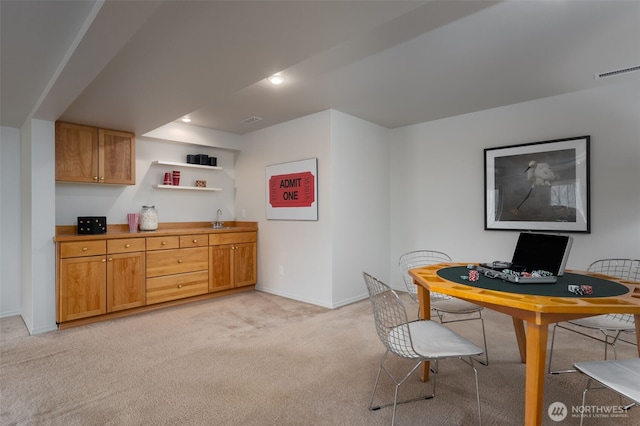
617 72
251 119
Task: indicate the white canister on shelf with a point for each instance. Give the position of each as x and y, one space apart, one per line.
148 218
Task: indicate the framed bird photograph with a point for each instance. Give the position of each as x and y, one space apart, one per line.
538 186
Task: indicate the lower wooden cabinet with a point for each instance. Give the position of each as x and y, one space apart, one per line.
233 260
94 285
108 277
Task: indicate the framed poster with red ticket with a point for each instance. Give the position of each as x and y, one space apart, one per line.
292 190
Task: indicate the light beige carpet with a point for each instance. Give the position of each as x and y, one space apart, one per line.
259 359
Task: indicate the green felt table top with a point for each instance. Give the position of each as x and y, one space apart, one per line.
600 287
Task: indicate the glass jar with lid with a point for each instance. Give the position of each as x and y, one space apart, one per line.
148 218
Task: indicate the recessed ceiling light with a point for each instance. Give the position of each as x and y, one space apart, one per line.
186 120
276 79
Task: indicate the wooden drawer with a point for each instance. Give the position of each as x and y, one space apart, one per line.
163 243
171 287
167 262
232 237
83 248
125 245
194 241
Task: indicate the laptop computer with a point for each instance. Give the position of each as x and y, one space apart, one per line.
534 252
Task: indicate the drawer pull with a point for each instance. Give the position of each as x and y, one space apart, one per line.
179 260
179 285
195 241
85 248
164 243
127 245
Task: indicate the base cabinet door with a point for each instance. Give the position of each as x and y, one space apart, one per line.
220 267
125 281
82 287
244 264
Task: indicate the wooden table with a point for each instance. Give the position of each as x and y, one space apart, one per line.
537 311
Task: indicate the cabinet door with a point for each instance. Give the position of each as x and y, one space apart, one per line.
244 264
220 267
117 153
125 281
76 153
82 287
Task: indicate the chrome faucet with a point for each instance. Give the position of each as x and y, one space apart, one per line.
217 224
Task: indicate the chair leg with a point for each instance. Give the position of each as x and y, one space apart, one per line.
397 387
484 339
475 374
553 339
584 395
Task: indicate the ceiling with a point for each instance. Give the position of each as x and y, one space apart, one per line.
137 65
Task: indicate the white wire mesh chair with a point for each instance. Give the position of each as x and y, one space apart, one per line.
622 377
441 304
421 340
612 326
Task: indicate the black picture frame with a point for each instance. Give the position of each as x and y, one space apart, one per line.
538 186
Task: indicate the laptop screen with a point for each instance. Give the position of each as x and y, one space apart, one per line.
542 251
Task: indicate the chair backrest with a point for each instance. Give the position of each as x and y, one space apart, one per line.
628 269
620 268
418 259
390 317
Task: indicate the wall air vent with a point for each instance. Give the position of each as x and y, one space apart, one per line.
251 119
616 72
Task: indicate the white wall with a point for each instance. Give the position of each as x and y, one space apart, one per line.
437 175
322 260
38 225
10 222
360 205
301 248
115 201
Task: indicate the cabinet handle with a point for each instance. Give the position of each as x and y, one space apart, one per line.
95 178
164 243
179 285
85 248
104 260
101 177
179 260
111 259
195 241
127 245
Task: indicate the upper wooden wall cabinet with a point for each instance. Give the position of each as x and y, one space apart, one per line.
92 155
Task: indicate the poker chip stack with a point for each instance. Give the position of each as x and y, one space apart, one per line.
474 275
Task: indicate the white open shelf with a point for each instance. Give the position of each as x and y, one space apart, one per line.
192 188
194 166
